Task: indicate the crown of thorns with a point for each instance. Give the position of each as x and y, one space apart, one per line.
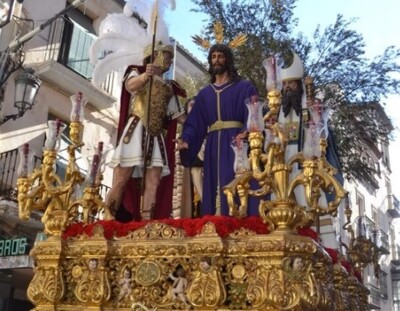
239 40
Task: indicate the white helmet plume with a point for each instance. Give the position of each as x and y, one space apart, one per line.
122 37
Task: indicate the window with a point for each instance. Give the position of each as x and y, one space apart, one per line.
396 295
375 219
360 201
388 186
383 287
385 155
78 36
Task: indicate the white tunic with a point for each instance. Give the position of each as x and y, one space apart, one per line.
131 154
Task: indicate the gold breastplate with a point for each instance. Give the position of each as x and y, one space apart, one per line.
161 94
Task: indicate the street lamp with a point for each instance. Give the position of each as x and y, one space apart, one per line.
26 88
11 59
6 8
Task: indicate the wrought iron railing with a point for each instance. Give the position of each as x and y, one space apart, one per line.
384 246
364 226
393 206
8 175
395 250
383 285
374 295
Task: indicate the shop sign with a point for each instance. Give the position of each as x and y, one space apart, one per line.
13 247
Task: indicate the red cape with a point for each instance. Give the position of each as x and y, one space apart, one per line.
131 197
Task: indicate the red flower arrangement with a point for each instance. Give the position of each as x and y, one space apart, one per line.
307 231
333 253
192 226
347 265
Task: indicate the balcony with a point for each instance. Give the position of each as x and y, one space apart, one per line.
63 62
393 206
365 227
374 300
384 246
396 256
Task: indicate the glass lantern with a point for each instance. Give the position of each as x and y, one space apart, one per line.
320 114
272 66
26 155
240 148
255 119
53 134
312 136
78 107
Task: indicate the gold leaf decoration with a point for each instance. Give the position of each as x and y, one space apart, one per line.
239 40
219 32
202 42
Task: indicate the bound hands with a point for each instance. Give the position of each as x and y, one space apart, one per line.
241 136
180 144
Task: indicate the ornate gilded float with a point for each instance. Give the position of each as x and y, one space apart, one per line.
272 262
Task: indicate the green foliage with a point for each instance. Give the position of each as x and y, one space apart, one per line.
193 84
334 55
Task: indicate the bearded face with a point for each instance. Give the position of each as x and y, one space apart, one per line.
220 60
218 69
218 63
292 96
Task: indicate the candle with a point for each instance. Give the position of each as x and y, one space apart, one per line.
100 149
94 169
25 160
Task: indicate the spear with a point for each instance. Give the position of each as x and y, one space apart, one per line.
147 139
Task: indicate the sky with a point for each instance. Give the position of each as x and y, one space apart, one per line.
377 21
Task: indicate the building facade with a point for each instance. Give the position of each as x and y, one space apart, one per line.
375 209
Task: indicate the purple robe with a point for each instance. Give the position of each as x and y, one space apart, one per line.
217 161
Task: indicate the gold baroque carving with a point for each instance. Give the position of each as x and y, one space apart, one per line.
243 273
